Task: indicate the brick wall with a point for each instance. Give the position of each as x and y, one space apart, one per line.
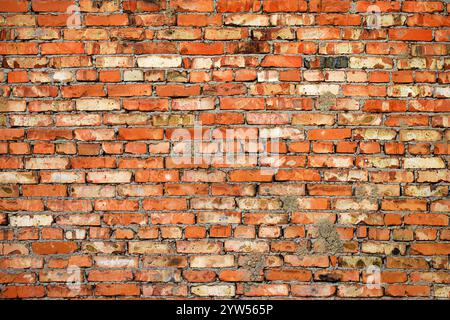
319 166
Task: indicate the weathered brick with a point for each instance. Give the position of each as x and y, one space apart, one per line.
29 221
97 104
211 261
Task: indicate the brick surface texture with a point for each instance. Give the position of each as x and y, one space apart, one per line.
224 149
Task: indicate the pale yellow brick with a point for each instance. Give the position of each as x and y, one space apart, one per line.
212 261
159 62
246 246
97 104
221 290
30 220
370 63
423 163
47 163
375 134
420 135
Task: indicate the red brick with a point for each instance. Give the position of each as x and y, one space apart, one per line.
14 6
117 289
109 20
54 247
51 5
410 34
140 134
